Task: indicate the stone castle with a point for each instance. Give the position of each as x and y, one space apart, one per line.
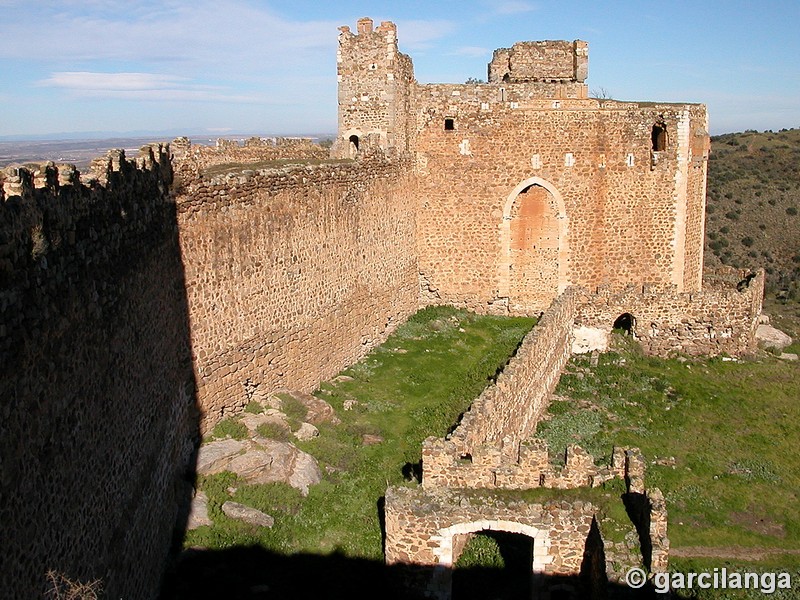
145 300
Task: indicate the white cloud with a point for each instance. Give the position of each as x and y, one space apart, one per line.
138 86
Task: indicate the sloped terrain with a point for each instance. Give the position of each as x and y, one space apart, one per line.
752 215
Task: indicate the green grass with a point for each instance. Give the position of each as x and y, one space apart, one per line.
230 427
414 385
732 429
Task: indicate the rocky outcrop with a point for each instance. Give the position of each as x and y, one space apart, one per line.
770 337
260 460
234 510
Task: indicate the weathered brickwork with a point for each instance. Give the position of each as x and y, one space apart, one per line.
618 219
552 61
97 421
719 319
293 274
375 86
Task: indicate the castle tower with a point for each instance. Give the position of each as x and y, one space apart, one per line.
374 90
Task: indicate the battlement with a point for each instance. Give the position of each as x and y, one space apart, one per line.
525 465
153 160
552 61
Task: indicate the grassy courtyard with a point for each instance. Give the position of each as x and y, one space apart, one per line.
415 385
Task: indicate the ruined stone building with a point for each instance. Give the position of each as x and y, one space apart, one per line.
144 300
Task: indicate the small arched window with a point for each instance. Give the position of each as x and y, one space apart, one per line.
354 141
659 137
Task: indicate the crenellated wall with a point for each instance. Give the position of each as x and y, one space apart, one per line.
293 274
97 395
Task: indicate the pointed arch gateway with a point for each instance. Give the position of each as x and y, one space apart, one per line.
534 246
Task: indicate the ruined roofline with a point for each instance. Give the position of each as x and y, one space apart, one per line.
546 61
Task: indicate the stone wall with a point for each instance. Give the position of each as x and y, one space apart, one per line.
550 61
97 395
622 212
375 87
508 410
720 319
193 160
430 528
293 274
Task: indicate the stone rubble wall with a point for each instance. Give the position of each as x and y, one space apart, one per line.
623 217
550 61
430 528
293 274
720 319
530 467
193 159
97 413
507 411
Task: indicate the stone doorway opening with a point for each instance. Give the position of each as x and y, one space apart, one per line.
353 148
534 247
493 564
626 323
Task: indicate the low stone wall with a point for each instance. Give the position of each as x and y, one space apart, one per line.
97 396
720 319
509 410
528 468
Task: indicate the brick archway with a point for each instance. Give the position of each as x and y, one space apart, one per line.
511 242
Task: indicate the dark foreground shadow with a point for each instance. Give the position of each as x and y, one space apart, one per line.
252 573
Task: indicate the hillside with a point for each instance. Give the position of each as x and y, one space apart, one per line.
753 203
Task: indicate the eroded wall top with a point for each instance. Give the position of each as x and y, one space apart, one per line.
544 61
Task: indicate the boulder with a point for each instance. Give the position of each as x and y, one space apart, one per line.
215 456
306 432
769 337
319 411
268 461
252 421
234 510
198 512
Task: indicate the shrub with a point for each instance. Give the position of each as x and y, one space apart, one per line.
230 428
792 211
254 408
273 431
747 241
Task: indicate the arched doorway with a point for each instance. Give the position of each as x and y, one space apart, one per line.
625 323
493 564
353 146
534 246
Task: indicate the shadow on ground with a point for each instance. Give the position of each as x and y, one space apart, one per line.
253 573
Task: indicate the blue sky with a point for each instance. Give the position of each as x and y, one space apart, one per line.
242 66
